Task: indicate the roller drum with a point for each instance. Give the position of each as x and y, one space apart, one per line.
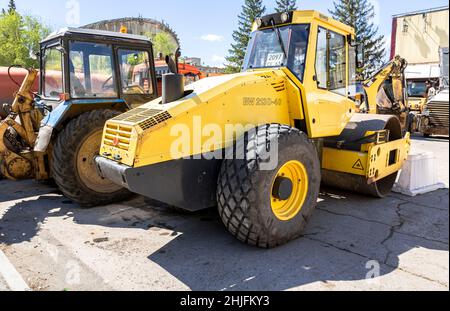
356 129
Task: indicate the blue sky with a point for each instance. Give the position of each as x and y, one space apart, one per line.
204 26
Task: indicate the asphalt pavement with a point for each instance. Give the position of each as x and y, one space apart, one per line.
351 243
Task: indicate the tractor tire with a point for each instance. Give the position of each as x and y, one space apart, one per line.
251 208
73 167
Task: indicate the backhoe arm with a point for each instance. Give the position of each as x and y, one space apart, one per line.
394 70
12 164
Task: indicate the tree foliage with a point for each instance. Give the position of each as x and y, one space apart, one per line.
359 14
11 6
19 35
251 10
285 5
162 43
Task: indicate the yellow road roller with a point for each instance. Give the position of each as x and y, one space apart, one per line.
258 144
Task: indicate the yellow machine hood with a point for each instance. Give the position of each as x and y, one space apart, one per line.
211 108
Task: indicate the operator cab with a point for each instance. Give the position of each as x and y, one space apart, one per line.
319 55
93 65
282 40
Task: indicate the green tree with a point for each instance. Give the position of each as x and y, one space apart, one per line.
359 14
11 6
286 5
20 35
251 10
162 43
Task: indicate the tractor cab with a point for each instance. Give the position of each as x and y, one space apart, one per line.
86 78
92 66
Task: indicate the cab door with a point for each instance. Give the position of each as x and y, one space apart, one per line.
329 96
136 76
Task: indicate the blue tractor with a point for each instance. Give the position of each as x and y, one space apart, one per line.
86 78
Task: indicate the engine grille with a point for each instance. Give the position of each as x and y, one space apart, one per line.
118 136
439 115
155 120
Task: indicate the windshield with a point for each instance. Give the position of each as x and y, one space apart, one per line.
265 50
52 77
417 89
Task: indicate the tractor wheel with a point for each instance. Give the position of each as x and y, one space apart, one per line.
268 208
73 166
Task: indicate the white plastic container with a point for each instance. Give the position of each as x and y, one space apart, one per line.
419 175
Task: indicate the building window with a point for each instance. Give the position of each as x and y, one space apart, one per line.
405 26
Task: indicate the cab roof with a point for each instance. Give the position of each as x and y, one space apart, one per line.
308 16
105 35
298 15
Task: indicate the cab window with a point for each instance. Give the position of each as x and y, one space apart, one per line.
331 61
321 60
91 70
337 63
135 72
52 85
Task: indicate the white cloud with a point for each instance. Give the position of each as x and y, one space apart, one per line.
212 38
217 60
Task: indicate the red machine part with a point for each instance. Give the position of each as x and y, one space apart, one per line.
8 88
191 73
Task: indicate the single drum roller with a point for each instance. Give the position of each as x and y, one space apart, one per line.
254 143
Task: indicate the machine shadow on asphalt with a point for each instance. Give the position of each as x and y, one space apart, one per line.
345 233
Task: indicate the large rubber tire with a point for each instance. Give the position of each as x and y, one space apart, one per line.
67 169
244 189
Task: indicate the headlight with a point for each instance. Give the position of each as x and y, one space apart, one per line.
259 22
284 17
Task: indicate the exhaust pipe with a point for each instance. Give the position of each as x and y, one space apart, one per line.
172 87
173 82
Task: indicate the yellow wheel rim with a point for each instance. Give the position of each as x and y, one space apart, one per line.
289 190
86 169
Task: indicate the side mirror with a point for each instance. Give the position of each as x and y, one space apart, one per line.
360 56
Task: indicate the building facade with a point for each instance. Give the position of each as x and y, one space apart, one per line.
419 36
194 61
207 71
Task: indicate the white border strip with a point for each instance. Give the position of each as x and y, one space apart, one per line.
12 278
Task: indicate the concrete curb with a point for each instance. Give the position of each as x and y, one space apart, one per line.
13 279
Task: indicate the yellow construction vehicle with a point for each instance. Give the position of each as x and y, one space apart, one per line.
385 91
258 144
417 95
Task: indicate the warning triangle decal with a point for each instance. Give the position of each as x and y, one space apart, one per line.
358 165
